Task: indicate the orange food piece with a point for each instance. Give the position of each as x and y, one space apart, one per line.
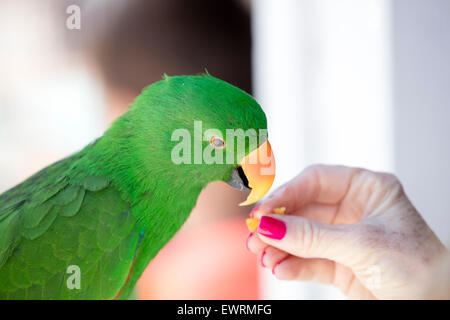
280 210
252 224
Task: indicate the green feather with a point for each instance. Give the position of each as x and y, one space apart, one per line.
34 232
66 196
95 183
74 206
48 191
32 220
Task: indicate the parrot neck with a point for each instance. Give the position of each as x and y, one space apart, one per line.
160 194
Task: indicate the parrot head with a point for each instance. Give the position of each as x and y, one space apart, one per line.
204 129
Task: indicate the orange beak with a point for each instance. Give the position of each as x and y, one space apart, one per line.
259 168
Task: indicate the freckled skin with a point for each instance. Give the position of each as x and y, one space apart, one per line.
112 206
357 230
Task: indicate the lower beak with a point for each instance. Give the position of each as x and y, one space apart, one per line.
259 169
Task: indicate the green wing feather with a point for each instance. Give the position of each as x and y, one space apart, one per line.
50 222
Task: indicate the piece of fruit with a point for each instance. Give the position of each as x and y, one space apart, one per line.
280 210
252 224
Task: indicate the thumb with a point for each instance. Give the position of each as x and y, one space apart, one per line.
307 238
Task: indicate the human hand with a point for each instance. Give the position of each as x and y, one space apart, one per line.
355 229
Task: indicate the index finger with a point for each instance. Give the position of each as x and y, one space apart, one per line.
324 184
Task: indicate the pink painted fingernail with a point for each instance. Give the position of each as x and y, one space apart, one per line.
262 257
272 228
246 241
252 213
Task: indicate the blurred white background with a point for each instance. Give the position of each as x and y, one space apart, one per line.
50 105
355 82
361 83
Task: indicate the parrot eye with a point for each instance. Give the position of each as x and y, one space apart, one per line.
217 142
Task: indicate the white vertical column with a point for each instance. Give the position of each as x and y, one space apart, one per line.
278 80
278 83
321 73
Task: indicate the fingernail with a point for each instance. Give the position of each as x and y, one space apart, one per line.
276 265
252 213
262 257
272 228
246 241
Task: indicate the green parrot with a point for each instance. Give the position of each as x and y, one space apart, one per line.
87 226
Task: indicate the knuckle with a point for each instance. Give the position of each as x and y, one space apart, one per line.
313 169
390 178
391 183
370 176
306 235
381 182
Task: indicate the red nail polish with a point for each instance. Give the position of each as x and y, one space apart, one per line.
262 257
272 228
246 241
252 213
276 265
